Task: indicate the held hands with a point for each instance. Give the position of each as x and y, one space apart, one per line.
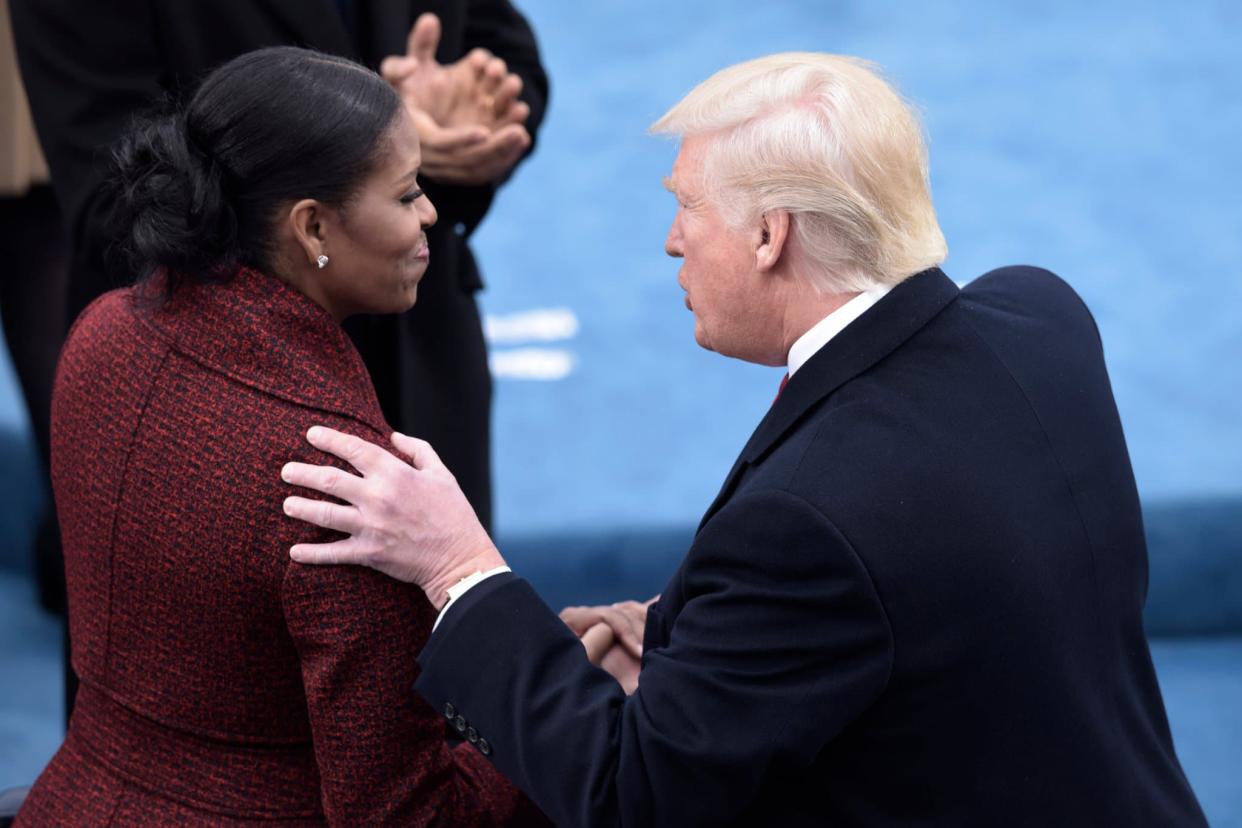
612 636
467 114
407 520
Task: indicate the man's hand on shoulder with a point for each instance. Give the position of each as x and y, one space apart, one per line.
408 520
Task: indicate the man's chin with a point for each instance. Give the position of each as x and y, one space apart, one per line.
700 336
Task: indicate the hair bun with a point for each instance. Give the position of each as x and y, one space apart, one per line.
171 207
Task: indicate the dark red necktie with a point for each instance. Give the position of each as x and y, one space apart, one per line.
781 390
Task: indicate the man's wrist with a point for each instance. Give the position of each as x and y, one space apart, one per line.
465 585
438 589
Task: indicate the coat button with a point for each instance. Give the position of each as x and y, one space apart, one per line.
449 711
472 735
460 724
485 748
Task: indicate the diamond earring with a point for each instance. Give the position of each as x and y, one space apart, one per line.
322 261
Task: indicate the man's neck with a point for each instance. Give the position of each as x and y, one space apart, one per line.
832 323
806 310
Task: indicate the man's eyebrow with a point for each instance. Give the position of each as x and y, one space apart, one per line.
668 185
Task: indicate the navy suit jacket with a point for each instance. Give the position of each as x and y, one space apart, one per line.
916 601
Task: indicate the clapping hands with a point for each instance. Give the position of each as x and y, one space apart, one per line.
468 116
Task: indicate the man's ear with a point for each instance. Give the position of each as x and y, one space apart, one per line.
306 221
773 234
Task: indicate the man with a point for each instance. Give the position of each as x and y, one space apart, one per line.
472 77
917 598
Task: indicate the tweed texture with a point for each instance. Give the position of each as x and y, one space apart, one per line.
221 683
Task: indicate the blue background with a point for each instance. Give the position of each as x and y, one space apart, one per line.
1098 140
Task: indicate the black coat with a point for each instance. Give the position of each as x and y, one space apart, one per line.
89 67
917 600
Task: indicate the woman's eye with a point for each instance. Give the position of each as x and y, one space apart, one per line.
411 197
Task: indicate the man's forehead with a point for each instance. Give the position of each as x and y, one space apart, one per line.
685 165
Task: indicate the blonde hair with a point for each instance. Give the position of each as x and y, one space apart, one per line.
826 139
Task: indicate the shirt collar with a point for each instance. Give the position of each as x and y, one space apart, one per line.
807 345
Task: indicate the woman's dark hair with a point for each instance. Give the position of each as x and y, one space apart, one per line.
197 189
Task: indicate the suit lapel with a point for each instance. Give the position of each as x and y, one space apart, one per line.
863 343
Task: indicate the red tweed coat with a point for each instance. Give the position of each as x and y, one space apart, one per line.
221 683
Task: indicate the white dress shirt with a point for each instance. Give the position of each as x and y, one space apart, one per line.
807 345
463 586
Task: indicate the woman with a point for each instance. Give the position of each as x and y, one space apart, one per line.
220 684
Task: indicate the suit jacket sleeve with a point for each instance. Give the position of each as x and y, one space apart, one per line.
381 751
780 643
87 68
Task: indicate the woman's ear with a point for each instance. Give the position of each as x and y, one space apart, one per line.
773 233
306 221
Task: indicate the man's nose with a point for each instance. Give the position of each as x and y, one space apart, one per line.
672 243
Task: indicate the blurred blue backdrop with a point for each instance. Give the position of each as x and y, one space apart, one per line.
1098 140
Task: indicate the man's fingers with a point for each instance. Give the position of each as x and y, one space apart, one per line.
496 70
395 69
626 620
513 137
481 163
449 140
326 479
623 667
424 38
580 619
338 552
625 625
493 78
438 140
597 641
477 59
324 514
420 452
505 96
363 456
505 146
517 113
454 148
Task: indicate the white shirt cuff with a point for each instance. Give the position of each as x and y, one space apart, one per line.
465 585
